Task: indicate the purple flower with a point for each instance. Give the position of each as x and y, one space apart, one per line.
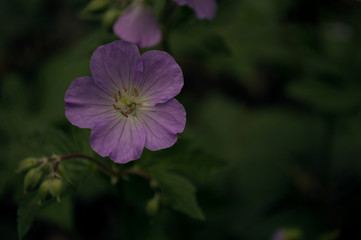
128 102
203 8
139 25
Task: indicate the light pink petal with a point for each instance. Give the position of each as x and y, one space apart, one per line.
115 65
161 123
162 78
86 103
120 138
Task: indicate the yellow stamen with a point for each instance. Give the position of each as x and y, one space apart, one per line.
115 97
120 95
136 92
125 89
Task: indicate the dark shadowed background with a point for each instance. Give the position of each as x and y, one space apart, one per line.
273 98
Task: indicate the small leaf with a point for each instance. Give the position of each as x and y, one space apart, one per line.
60 214
27 211
29 208
180 192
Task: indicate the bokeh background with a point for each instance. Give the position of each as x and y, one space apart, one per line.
273 98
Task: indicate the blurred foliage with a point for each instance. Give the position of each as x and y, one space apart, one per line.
273 136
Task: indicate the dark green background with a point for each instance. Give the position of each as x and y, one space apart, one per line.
272 90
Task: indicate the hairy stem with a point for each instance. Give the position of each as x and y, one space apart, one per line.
102 167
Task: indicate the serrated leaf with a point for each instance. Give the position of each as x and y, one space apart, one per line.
28 208
183 158
26 216
60 213
180 192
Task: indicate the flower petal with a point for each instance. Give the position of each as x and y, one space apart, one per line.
161 124
162 78
115 65
86 103
202 8
138 24
120 138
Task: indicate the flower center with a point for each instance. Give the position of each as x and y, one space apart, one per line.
126 101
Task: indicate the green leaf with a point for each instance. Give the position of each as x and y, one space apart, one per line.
60 214
28 208
183 158
180 193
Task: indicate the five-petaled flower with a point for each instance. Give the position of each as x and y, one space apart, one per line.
138 23
128 102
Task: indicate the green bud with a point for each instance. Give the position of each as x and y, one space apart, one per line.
44 189
32 178
154 184
110 16
47 167
114 180
27 164
96 5
153 205
52 187
55 188
63 174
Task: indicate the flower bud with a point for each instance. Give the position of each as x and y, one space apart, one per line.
154 184
32 178
27 164
52 187
47 167
96 5
55 188
153 205
44 189
110 16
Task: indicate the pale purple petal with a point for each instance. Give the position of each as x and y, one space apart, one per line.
202 8
120 138
161 123
116 65
162 78
86 103
138 24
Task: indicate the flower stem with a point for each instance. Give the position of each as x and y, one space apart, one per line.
135 171
102 167
90 158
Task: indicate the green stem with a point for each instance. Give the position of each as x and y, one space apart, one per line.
135 171
102 167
